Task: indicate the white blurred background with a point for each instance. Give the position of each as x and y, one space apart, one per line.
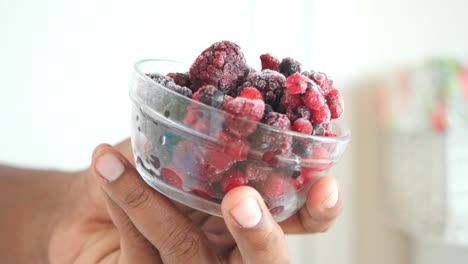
65 68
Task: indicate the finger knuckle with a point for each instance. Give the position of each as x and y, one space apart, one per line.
137 197
181 242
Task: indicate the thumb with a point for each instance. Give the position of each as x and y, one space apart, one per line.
259 238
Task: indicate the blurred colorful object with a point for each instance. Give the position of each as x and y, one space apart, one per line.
432 96
423 114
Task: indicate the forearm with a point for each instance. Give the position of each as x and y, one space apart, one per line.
31 201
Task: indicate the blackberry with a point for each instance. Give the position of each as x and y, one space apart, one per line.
289 66
210 95
170 84
182 79
269 62
270 84
222 65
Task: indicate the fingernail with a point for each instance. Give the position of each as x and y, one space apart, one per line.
332 197
247 213
109 166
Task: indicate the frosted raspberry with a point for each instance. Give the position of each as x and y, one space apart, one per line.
313 99
297 84
303 125
322 115
335 103
251 93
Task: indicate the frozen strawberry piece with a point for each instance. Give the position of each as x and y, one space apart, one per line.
335 103
276 185
297 84
252 93
171 177
256 172
322 115
313 99
269 62
303 125
233 179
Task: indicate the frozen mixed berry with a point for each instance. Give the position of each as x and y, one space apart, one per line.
276 185
247 108
227 99
233 179
187 157
303 112
210 95
171 177
270 84
171 75
269 62
236 147
170 84
216 162
222 65
277 120
303 125
335 103
182 79
329 134
291 101
256 172
321 115
302 149
297 83
298 183
319 129
313 99
251 93
288 66
321 79
268 109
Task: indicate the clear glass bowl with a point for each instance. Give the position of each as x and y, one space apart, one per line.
189 162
